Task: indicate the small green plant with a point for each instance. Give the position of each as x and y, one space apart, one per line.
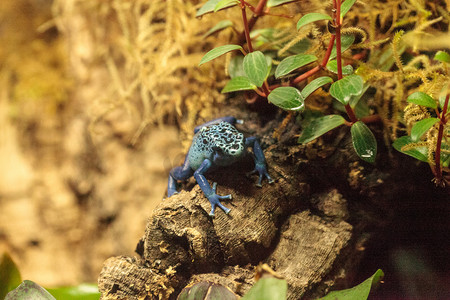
12 287
279 82
9 275
271 288
429 138
361 291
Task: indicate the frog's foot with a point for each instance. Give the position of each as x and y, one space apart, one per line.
214 199
262 170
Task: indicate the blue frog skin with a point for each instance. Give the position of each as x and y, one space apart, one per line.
217 143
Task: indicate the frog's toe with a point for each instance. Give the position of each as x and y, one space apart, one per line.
226 197
225 209
213 208
262 173
269 179
215 201
259 184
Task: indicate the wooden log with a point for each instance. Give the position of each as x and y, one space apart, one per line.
183 244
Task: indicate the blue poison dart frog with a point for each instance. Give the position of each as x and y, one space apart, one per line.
216 143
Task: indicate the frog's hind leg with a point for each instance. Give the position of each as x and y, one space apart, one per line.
178 173
209 192
228 119
260 160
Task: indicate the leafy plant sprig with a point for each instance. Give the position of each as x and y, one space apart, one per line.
436 149
257 67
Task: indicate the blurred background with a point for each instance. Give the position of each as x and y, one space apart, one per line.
90 93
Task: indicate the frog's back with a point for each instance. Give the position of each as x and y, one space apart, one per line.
207 140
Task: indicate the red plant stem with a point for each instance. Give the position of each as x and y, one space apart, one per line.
259 11
246 27
366 120
249 6
317 68
338 37
261 93
328 53
371 119
313 70
266 88
305 75
337 20
437 157
351 113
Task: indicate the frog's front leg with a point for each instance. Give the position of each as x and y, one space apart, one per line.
209 192
178 173
260 160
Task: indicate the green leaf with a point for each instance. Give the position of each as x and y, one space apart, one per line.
361 108
332 66
443 95
422 99
239 83
345 7
419 153
346 41
312 17
83 291
216 52
235 67
342 90
209 6
206 290
273 3
315 84
263 36
218 27
9 275
269 65
421 127
28 290
197 291
355 99
293 62
268 288
300 47
364 142
287 97
224 4
359 292
320 126
255 67
442 56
